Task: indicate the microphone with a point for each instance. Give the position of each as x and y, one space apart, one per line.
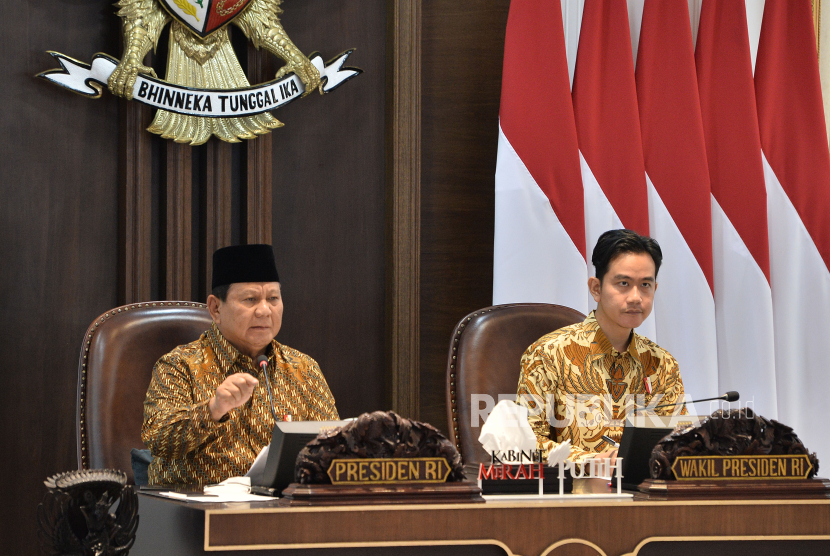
730 396
262 362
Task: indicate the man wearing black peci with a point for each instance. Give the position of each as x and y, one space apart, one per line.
206 414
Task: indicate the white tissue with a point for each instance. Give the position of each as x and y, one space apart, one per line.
507 429
232 485
560 453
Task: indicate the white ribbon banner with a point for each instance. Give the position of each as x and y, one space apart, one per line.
89 80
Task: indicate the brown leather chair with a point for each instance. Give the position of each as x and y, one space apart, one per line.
117 357
485 351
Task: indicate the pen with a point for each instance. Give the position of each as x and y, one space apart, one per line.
610 440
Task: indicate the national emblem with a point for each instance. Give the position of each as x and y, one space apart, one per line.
201 56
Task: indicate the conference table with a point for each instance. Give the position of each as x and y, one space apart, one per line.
548 527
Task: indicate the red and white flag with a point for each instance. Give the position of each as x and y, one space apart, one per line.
744 296
608 128
743 299
539 251
797 171
680 218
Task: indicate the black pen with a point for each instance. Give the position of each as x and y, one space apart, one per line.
610 440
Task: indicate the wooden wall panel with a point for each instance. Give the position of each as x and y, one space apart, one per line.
177 239
135 202
58 241
216 212
258 195
328 211
403 205
462 52
259 174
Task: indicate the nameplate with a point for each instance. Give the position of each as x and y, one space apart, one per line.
730 468
384 471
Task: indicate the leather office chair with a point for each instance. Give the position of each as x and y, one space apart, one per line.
117 356
485 351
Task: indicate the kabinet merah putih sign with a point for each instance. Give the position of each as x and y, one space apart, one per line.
205 91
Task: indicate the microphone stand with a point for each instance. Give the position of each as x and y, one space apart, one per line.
729 397
263 364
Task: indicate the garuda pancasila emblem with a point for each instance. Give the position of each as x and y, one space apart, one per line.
75 520
205 91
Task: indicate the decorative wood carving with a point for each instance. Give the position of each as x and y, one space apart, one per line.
378 435
736 432
404 203
375 435
727 433
75 518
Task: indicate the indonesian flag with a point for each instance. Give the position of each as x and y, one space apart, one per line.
797 172
539 251
608 128
738 195
743 299
679 196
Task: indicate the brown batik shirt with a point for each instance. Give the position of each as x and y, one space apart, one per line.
188 447
577 387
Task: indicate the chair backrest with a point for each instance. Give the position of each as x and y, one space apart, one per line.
117 357
485 352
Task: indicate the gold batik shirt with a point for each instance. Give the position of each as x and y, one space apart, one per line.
188 447
589 386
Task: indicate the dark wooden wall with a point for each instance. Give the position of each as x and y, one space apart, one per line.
377 197
462 52
328 205
58 245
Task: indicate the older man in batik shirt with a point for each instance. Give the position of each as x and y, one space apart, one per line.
207 413
579 382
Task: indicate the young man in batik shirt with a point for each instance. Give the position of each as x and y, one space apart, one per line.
580 381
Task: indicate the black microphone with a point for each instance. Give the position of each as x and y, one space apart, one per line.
262 362
730 396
